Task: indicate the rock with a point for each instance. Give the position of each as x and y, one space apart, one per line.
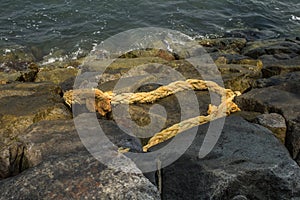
248 162
281 95
30 103
275 123
276 66
251 34
56 76
238 71
7 77
15 58
12 161
21 105
40 138
278 56
224 45
271 47
240 77
247 115
289 78
26 75
61 76
37 142
30 74
119 137
150 53
80 176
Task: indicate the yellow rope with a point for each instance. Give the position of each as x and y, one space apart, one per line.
214 112
96 100
164 91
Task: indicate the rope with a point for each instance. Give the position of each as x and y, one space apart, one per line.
214 112
164 91
96 100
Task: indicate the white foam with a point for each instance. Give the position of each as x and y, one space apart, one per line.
295 18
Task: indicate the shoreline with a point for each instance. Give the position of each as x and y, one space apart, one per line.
257 155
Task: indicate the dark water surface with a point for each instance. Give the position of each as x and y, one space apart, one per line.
73 25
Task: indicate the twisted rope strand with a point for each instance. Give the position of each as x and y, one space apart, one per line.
100 101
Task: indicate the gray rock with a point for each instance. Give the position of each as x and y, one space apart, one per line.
40 138
271 47
289 78
274 122
251 34
281 97
248 162
21 105
247 115
80 176
278 56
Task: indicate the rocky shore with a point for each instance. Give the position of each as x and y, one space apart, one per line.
256 157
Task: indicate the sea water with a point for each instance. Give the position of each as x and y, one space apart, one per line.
76 25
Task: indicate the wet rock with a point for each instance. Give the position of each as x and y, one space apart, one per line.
275 66
278 80
119 137
247 115
30 102
224 45
278 56
281 95
40 138
121 66
150 53
12 160
248 162
275 123
240 77
7 77
251 35
26 75
21 105
29 75
270 47
15 58
57 76
80 176
238 72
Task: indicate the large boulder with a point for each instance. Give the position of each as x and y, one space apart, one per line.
248 162
80 176
49 138
240 77
15 58
275 123
224 45
21 105
279 94
239 72
278 56
61 76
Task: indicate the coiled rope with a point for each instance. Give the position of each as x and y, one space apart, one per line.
97 100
